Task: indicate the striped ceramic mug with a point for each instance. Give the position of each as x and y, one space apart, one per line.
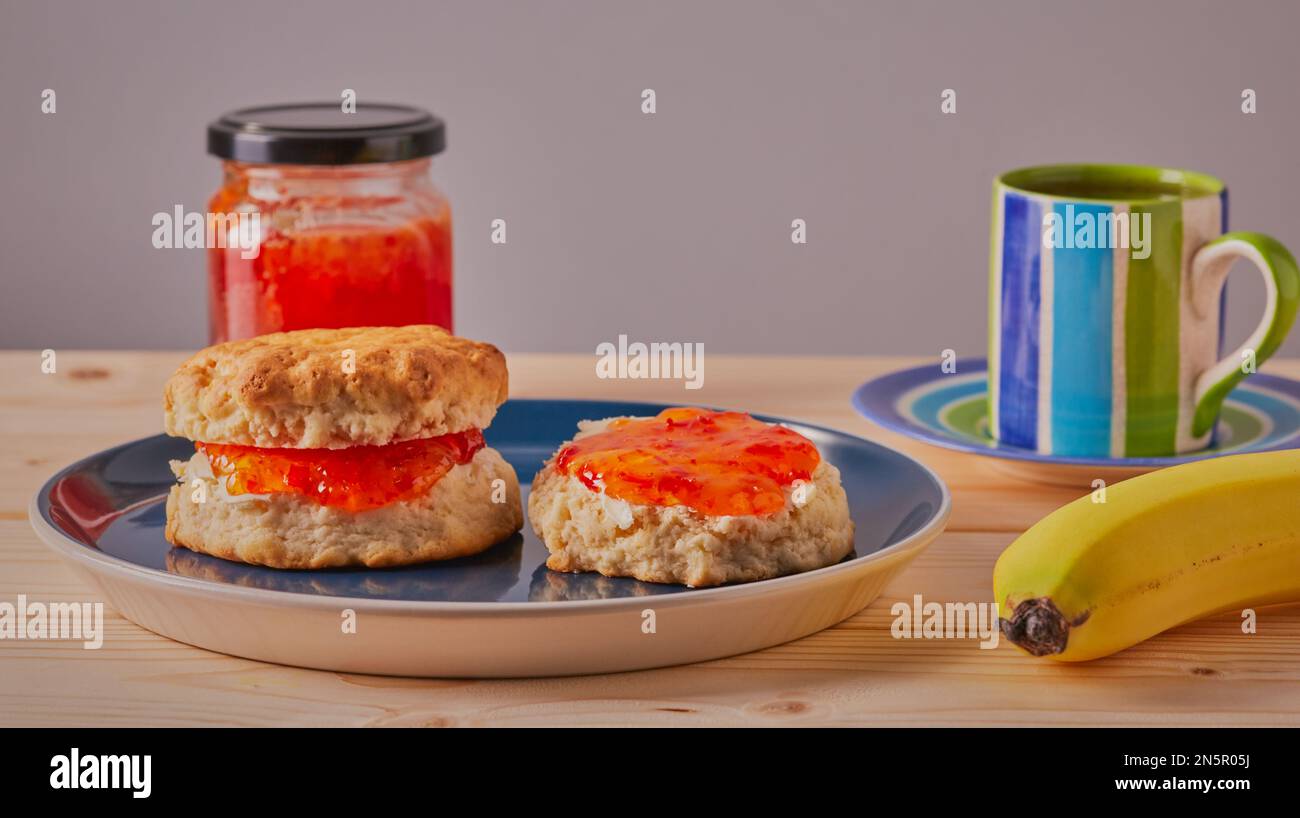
1106 309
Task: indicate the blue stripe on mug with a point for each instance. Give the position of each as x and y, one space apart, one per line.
1083 319
1017 397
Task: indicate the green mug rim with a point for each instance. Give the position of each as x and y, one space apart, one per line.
1185 184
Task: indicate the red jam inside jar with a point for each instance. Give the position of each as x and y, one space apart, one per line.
716 463
358 478
329 258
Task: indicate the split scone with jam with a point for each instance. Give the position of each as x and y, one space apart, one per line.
340 447
691 496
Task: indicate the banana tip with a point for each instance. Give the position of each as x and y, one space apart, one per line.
1039 627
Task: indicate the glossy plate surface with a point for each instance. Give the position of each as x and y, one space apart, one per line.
498 613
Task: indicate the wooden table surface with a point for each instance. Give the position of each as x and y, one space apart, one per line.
1204 673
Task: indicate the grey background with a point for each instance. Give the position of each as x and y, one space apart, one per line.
666 227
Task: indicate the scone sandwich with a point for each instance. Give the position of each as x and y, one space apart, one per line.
325 448
690 496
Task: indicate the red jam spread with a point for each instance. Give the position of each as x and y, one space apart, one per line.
717 463
354 479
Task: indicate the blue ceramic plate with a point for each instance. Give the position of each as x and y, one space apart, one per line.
951 410
106 515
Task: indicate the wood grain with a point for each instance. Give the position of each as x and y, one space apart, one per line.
1205 673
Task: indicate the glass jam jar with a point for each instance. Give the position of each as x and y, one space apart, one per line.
347 230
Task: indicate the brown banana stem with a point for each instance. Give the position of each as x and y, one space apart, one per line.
1038 626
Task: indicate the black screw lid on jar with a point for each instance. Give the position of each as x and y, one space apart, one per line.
320 133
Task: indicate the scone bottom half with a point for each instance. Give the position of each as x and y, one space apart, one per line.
692 497
332 448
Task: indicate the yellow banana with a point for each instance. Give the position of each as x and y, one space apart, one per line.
1108 571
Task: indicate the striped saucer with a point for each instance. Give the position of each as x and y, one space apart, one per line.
951 410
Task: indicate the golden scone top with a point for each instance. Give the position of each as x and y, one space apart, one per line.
335 388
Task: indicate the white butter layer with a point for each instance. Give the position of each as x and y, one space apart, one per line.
198 468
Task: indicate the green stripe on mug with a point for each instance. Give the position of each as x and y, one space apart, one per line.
1151 329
